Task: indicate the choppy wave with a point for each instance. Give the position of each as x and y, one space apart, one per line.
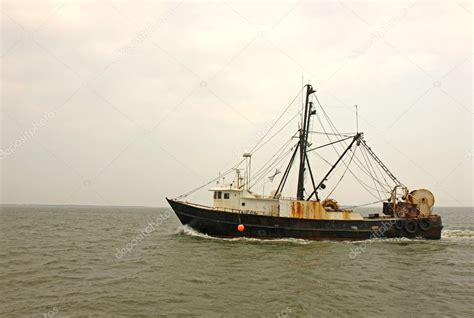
74 269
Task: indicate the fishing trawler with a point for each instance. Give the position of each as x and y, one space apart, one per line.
238 211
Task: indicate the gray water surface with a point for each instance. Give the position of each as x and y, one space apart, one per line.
139 262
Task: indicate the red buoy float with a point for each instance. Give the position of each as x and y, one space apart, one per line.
240 227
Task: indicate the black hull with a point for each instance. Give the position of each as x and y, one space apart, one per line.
224 224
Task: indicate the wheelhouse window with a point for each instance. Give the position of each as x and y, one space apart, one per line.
215 194
226 196
219 194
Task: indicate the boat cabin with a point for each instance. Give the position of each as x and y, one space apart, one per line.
244 200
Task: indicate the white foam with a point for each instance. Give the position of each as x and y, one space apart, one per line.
446 235
187 230
457 234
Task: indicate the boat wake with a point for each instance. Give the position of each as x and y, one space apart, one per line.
448 235
189 231
457 234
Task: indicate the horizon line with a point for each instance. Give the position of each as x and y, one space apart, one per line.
159 207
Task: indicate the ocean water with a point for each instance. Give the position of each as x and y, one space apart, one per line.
139 262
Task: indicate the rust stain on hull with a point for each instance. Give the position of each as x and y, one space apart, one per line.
296 209
308 210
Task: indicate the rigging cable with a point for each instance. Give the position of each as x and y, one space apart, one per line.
274 124
373 178
252 151
334 130
387 190
381 164
357 161
382 174
339 134
213 180
277 153
275 163
343 174
266 169
283 127
331 143
370 159
352 173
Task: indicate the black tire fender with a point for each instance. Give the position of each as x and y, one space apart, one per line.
411 226
425 224
399 224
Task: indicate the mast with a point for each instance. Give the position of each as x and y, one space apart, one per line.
303 141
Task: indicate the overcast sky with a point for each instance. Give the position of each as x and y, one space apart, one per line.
126 102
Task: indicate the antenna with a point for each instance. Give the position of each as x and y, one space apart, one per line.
302 92
357 118
248 160
237 171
